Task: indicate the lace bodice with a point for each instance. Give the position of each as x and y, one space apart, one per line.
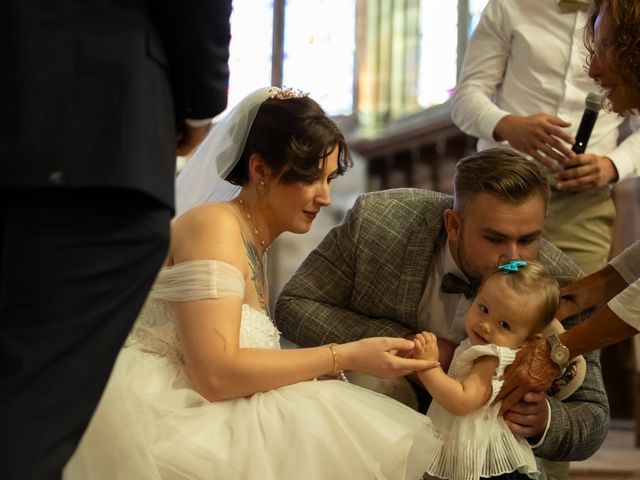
155 329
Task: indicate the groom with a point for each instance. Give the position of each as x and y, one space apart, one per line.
380 273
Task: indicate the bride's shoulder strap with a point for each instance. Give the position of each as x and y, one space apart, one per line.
197 280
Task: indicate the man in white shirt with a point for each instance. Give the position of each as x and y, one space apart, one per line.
524 84
611 28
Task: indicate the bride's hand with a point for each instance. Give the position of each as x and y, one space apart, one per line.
381 357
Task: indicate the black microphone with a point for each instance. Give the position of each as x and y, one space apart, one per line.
593 104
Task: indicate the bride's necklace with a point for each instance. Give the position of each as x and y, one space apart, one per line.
258 267
256 232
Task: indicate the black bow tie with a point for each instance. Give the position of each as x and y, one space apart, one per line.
454 284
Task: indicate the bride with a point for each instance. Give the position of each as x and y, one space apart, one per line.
201 389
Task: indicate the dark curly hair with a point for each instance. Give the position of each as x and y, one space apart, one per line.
294 133
623 44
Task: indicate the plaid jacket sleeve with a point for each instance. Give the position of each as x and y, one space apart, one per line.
315 306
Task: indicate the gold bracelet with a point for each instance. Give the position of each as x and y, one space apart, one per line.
334 354
336 367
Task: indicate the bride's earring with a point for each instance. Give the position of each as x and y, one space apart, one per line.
261 190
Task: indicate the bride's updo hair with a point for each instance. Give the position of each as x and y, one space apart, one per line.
292 135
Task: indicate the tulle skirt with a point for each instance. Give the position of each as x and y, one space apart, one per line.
152 425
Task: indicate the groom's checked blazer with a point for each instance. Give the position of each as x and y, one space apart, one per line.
366 278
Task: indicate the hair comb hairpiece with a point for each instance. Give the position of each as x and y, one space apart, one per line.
512 266
287 93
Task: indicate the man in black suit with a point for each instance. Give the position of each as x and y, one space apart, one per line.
94 93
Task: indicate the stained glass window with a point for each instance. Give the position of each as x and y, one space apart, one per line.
320 46
438 51
250 47
319 51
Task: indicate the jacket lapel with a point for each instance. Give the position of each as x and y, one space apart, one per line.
417 262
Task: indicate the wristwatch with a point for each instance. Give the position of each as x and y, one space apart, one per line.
559 353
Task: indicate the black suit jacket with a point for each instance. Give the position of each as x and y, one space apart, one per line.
92 89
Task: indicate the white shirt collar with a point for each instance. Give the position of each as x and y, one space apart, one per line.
449 265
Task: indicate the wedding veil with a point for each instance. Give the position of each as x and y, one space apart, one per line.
202 179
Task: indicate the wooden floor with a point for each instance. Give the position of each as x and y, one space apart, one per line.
618 458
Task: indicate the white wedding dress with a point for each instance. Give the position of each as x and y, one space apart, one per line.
151 424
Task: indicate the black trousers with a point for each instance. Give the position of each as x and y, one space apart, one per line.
75 268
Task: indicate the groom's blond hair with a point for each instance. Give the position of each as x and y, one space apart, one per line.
501 172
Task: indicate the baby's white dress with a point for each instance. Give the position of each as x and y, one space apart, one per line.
478 444
151 424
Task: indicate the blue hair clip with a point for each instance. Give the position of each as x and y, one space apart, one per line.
512 266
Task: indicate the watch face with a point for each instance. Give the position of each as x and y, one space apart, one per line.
560 355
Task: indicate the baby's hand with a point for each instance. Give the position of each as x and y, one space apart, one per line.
426 346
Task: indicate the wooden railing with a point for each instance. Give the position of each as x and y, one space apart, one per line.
420 151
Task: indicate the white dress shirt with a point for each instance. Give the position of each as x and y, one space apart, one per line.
524 58
436 309
626 304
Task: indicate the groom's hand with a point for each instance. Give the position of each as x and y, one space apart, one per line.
528 418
